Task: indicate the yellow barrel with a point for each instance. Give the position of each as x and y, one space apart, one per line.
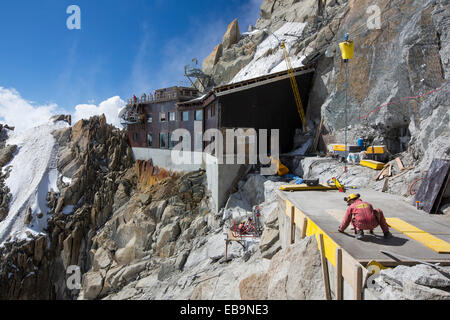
376 150
347 49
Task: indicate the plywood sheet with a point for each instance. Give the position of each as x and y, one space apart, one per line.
432 184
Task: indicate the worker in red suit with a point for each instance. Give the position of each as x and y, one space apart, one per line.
363 217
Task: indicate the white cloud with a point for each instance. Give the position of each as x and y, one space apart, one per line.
110 108
201 38
22 114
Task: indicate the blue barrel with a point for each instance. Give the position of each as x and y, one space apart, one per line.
361 144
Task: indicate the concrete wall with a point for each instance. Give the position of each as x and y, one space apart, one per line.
163 158
220 177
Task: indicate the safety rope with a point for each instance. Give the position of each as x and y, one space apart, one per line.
400 101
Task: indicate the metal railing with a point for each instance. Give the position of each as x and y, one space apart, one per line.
160 97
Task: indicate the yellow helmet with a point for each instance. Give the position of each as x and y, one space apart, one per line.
352 197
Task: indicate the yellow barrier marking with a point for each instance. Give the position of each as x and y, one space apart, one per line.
428 240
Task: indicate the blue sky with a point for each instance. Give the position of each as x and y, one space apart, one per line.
123 47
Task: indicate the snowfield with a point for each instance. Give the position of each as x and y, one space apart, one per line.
269 57
33 174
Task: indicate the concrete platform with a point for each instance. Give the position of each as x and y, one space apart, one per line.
327 209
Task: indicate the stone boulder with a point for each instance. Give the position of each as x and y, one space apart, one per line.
212 59
254 287
420 282
268 239
102 259
232 35
62 117
168 234
253 189
92 285
156 209
294 274
6 154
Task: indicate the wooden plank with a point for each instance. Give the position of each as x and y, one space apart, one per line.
325 275
339 279
357 289
386 185
317 138
304 227
401 167
348 270
226 250
432 184
401 174
292 225
382 172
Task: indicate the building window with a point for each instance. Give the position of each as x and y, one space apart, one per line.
171 116
162 117
185 115
149 118
213 111
149 140
135 137
199 115
171 143
162 140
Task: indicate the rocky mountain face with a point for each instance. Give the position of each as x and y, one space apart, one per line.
97 158
397 89
139 232
6 154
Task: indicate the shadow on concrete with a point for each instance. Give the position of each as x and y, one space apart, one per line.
392 242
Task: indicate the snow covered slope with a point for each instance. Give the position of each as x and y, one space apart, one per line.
269 57
33 173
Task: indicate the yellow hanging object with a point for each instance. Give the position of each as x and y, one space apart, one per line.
347 49
282 169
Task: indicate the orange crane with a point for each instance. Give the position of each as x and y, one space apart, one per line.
298 99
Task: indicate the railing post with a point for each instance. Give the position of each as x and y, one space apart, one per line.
326 276
292 225
358 283
305 226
